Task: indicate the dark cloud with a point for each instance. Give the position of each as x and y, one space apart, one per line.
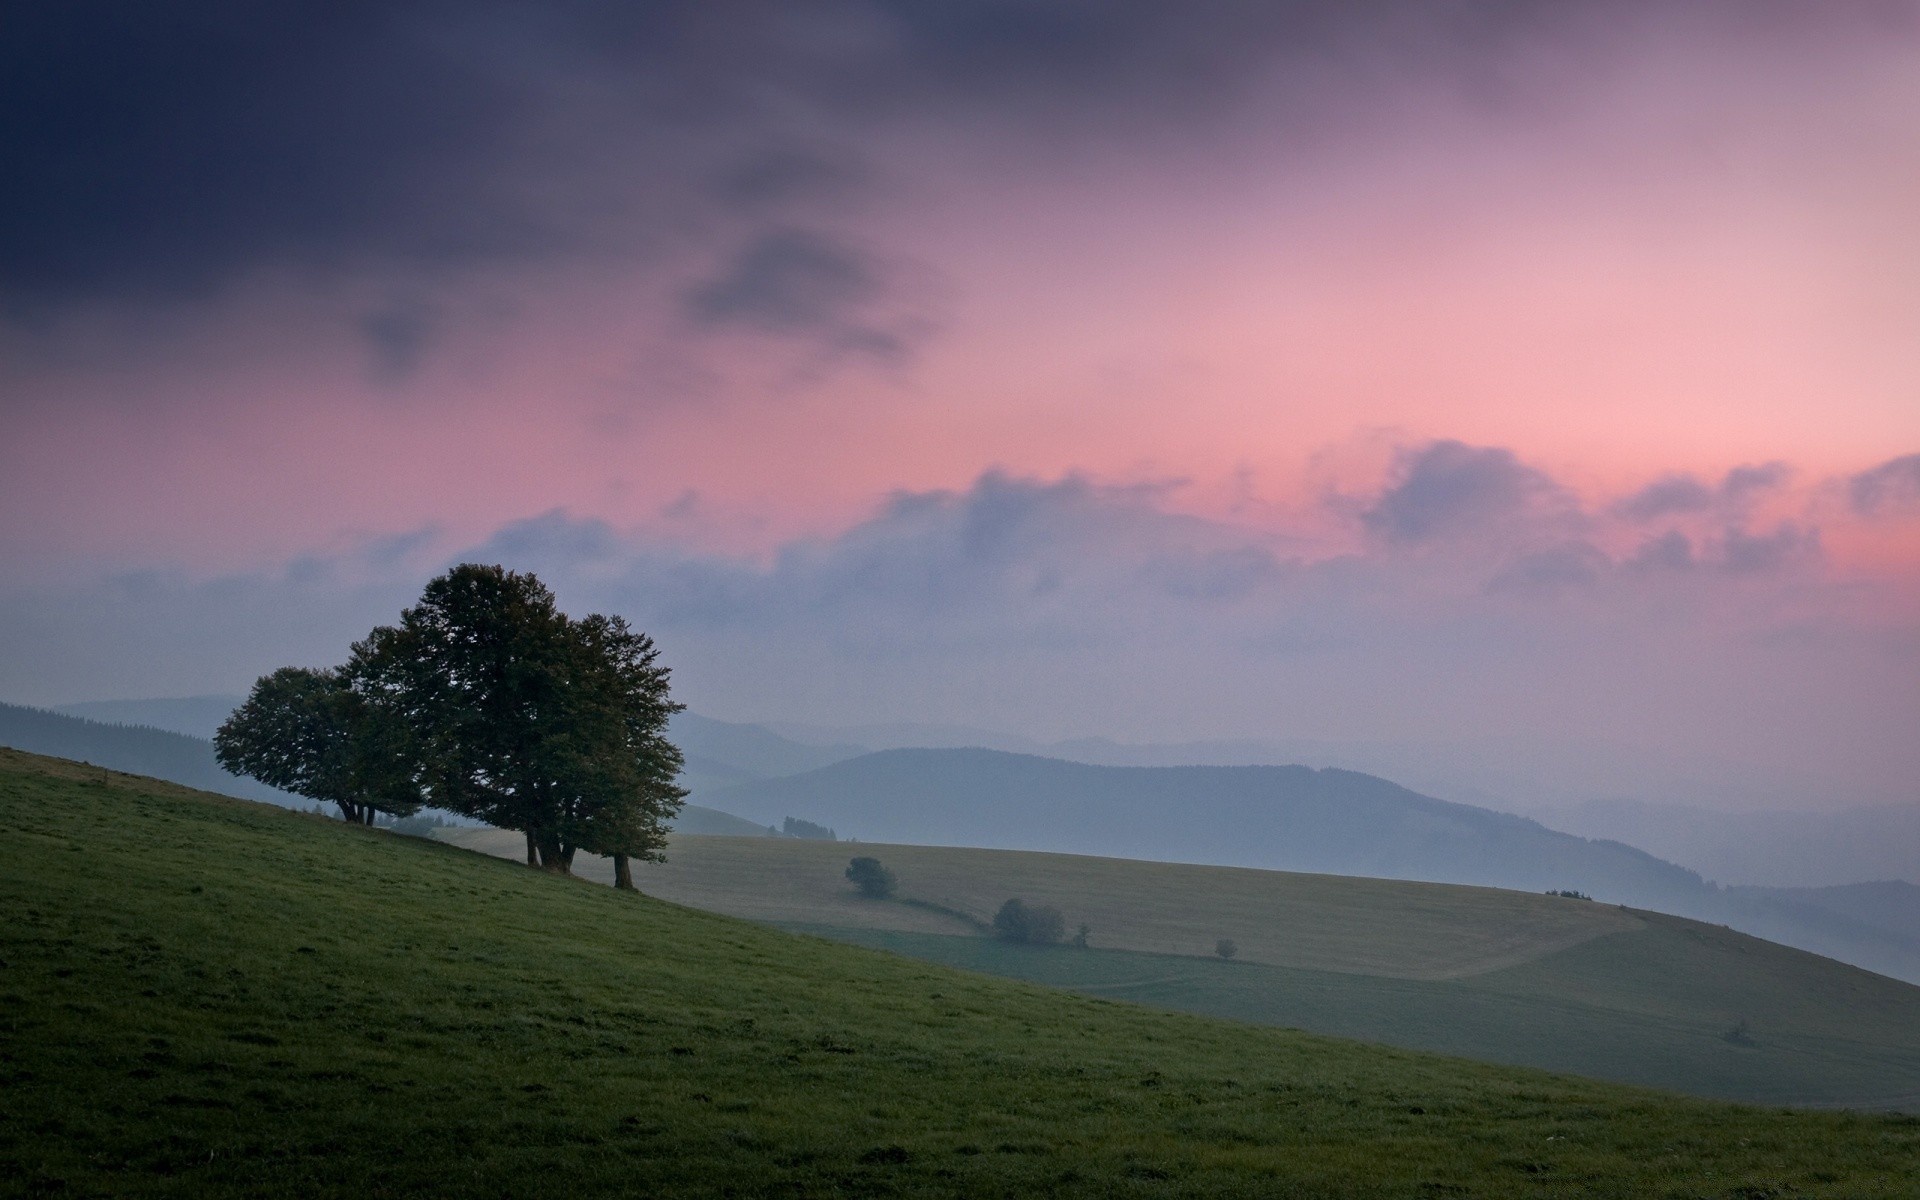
795 283
1893 486
398 336
1449 488
155 151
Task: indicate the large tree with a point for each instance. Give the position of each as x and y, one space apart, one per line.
307 732
526 719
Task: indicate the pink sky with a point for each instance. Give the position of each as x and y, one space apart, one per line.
1616 251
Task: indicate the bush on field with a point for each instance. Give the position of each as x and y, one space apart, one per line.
1226 948
873 880
1031 924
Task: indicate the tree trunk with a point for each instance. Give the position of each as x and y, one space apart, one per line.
367 811
554 857
623 872
349 811
533 852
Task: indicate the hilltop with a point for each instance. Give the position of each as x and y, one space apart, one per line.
216 998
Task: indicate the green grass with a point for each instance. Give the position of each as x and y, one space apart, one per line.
1503 976
211 998
1633 1026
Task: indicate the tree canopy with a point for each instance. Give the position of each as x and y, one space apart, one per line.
308 732
514 714
487 701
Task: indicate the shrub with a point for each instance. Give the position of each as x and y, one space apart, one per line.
873 880
1080 935
1569 894
1225 948
1030 924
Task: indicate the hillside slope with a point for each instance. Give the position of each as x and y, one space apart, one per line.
1280 818
211 998
1501 976
137 749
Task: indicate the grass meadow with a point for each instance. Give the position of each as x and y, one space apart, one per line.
213 998
1504 976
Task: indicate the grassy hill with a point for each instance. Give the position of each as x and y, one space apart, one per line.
1503 976
1284 818
139 749
1281 818
213 998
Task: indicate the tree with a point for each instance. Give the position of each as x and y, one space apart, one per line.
1226 948
309 733
520 717
874 881
1030 924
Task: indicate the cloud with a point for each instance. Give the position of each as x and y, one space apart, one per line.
1744 553
792 282
1448 488
1666 496
164 152
1068 606
1683 494
1570 565
1744 482
398 336
1670 551
1892 487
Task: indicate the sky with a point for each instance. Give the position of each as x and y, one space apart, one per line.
1387 371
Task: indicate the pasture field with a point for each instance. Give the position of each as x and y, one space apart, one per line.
1327 922
213 998
1509 977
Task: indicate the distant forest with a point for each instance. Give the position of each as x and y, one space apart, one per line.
136 749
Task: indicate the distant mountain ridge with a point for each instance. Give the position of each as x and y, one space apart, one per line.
1292 819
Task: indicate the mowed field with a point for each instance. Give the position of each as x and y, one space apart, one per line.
205 997
1503 976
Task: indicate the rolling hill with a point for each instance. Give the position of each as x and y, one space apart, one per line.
213 998
136 749
1282 818
1502 976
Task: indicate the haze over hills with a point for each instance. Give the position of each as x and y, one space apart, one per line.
1877 926
1735 824
1294 819
1767 847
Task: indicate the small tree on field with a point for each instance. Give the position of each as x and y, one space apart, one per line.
1080 935
1226 948
1029 924
874 881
